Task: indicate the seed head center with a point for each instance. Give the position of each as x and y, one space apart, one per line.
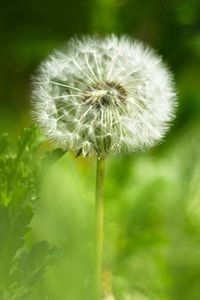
105 94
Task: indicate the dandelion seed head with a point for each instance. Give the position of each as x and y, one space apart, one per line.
104 96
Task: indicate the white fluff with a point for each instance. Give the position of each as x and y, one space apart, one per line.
104 96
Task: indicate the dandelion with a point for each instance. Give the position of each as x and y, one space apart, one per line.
103 97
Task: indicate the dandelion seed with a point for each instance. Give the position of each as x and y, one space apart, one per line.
108 95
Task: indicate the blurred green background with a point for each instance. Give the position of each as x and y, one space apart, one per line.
152 213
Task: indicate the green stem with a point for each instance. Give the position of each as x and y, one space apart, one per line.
100 174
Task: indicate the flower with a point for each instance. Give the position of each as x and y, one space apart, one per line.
104 96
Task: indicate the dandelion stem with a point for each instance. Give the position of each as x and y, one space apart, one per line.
100 174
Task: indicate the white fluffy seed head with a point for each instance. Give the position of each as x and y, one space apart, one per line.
104 96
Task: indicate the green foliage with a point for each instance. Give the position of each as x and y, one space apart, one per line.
152 217
64 218
18 195
47 243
